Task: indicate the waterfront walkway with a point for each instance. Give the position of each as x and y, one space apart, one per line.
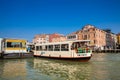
107 51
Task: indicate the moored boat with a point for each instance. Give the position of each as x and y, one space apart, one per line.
14 48
69 50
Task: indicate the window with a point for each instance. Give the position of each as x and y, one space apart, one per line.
14 44
71 37
50 48
64 47
94 35
85 37
95 41
37 48
40 47
57 47
85 30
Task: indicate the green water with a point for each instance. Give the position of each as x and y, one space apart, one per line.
100 67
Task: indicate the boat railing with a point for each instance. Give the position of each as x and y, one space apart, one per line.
83 50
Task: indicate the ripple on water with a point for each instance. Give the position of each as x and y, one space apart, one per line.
104 66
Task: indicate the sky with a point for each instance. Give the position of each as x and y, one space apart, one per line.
25 18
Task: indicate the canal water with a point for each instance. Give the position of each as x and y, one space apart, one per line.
102 66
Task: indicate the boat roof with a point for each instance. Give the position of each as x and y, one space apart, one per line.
65 42
14 40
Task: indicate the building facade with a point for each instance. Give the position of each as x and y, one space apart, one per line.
47 38
59 39
72 36
55 37
41 38
118 41
99 39
96 36
111 39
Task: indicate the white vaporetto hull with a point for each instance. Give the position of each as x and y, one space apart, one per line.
83 59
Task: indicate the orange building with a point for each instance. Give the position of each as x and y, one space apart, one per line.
100 39
118 38
96 36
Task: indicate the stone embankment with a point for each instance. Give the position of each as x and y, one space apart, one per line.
107 51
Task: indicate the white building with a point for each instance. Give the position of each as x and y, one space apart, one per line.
41 38
72 36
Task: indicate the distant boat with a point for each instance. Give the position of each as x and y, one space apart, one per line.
13 48
69 50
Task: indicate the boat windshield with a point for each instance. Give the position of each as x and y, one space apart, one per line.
14 44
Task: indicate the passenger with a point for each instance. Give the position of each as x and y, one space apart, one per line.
28 49
76 50
86 50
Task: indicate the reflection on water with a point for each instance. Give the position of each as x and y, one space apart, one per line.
12 69
100 67
58 69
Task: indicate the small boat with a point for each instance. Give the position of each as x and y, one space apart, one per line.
77 50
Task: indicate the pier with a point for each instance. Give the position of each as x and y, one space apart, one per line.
107 51
16 55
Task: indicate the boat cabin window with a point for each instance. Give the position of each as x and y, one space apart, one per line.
57 47
14 44
40 47
50 47
64 47
37 48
